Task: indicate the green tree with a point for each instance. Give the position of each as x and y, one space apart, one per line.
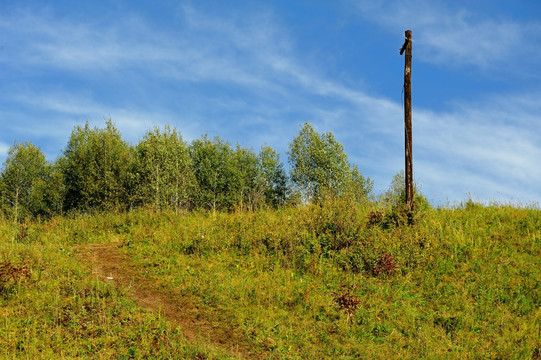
240 178
244 186
320 167
213 166
272 177
96 169
56 190
395 196
356 186
164 166
28 182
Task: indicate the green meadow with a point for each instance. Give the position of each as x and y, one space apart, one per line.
335 280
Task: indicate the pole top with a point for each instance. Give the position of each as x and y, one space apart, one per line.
406 41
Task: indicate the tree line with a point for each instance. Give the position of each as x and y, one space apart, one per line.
99 171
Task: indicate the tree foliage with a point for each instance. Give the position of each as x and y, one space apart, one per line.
213 169
320 167
395 196
99 171
96 167
248 190
164 170
30 186
272 177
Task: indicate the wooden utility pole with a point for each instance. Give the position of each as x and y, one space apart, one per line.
407 120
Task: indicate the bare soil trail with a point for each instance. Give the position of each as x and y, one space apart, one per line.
110 263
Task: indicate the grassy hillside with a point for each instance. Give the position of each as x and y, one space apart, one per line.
330 281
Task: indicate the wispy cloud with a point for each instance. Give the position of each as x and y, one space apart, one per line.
70 110
485 152
453 35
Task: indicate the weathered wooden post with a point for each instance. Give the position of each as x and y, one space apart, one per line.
407 120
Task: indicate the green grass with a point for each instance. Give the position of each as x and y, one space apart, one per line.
52 307
332 281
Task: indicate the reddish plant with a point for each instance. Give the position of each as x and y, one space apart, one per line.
385 265
12 272
347 301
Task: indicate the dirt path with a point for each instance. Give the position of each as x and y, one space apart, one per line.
109 263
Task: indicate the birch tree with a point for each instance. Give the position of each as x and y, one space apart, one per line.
166 178
27 180
213 165
320 167
96 168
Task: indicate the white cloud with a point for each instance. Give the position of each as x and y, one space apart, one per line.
71 109
482 149
453 35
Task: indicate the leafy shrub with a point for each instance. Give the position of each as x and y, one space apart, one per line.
337 223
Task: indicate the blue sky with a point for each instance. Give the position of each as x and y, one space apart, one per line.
252 72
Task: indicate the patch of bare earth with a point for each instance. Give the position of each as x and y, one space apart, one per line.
109 263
